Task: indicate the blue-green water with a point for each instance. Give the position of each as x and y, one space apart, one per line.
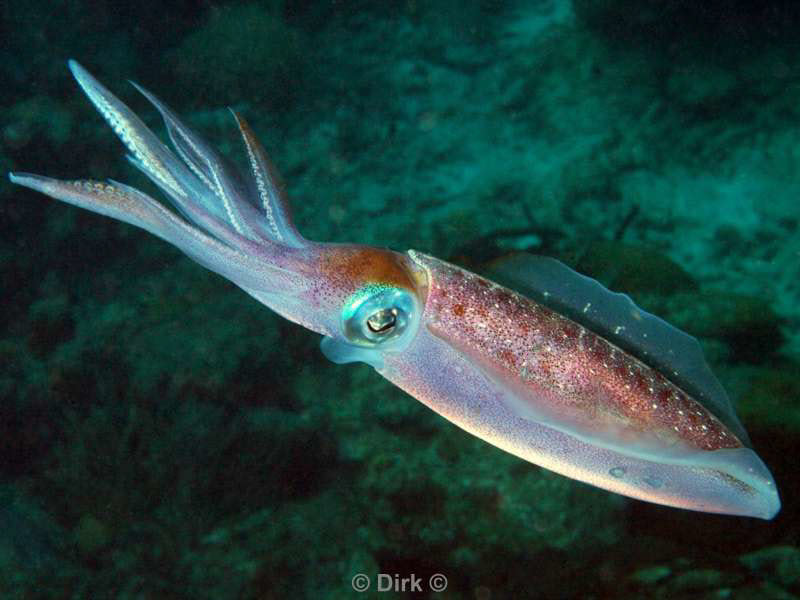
163 435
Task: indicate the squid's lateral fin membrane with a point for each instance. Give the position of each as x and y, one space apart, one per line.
615 317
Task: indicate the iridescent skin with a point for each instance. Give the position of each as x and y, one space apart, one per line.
501 366
582 376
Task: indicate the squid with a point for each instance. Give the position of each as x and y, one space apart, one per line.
536 359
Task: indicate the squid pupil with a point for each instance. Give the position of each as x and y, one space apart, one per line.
382 320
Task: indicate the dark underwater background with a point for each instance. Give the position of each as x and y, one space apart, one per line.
164 436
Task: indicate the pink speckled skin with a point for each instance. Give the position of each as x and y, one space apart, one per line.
575 374
495 363
481 356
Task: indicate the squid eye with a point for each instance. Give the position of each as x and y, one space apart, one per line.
382 321
376 314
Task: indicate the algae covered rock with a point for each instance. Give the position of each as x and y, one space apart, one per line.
244 52
748 325
696 580
36 117
651 575
704 86
51 323
30 542
629 268
771 397
780 563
